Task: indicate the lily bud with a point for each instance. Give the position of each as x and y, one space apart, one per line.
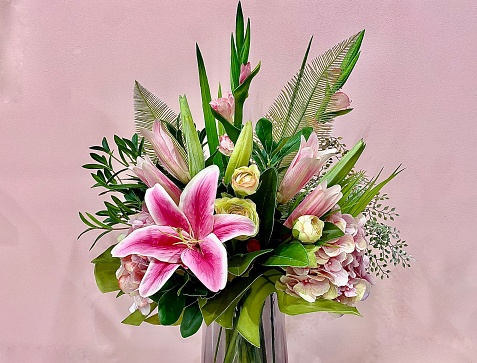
226 146
245 70
245 180
308 229
242 151
225 106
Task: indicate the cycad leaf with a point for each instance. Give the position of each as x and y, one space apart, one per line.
305 98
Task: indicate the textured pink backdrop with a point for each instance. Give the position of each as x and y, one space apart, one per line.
67 70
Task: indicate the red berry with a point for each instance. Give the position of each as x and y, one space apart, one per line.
253 245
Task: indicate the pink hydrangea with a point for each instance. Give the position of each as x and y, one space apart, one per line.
341 267
130 275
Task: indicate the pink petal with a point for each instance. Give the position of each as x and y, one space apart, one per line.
197 201
163 209
209 263
152 241
297 176
228 226
155 277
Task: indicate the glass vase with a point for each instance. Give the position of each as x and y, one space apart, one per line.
220 345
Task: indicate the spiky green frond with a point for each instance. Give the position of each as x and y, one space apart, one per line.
148 108
305 99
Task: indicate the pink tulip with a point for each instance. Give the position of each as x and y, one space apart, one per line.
317 203
339 101
188 234
167 152
225 106
150 175
307 163
245 70
226 146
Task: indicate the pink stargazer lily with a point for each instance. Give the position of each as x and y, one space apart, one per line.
307 162
188 234
317 203
150 175
167 152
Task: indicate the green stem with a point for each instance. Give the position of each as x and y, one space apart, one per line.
238 114
231 344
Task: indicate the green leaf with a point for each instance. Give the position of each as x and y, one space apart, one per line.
298 104
250 316
239 27
136 318
291 145
217 305
195 155
232 131
263 129
105 267
341 169
191 320
238 264
289 254
266 200
241 94
210 124
170 307
330 232
291 305
234 64
246 46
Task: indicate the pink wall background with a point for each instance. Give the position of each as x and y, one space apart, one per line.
66 77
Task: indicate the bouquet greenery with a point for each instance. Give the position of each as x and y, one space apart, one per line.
216 220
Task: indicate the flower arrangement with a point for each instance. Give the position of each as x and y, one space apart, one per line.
210 215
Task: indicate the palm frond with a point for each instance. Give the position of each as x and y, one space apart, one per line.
305 100
149 108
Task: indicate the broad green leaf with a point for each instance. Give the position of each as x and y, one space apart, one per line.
217 305
266 200
341 169
153 320
195 155
232 131
170 307
330 232
263 129
291 305
242 151
291 145
289 254
105 267
251 313
238 264
191 320
136 318
209 119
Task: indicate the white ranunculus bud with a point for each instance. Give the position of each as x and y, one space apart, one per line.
308 229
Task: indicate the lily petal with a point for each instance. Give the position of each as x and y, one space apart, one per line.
164 210
197 201
159 242
155 277
228 226
209 263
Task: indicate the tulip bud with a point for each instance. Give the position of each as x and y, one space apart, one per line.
242 151
339 101
226 146
245 180
225 106
245 70
308 229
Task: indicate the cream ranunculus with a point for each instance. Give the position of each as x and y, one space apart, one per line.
308 229
243 207
245 180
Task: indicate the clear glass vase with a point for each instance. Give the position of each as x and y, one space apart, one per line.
220 345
